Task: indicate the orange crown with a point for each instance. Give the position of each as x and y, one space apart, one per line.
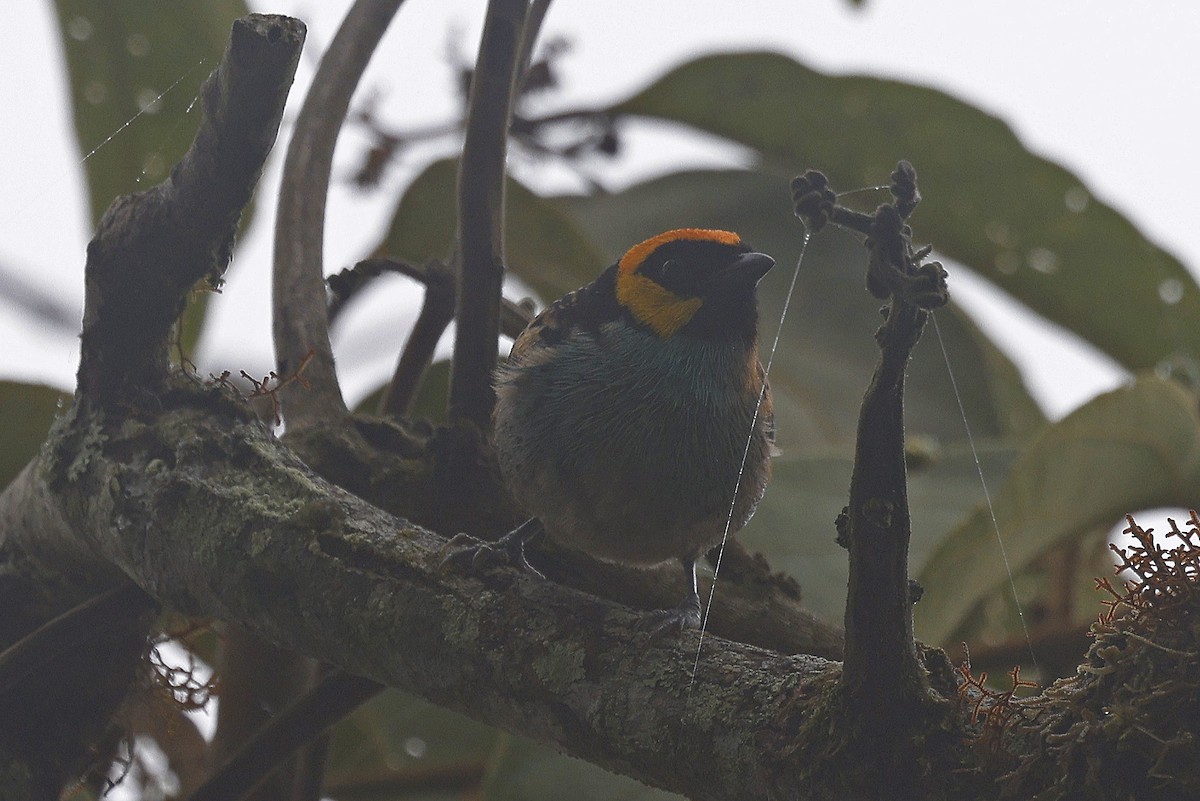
638 253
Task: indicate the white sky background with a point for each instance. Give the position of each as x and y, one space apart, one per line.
1104 87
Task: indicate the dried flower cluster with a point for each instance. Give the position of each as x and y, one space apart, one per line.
1127 725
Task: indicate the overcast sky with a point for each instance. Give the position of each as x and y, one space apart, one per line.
1106 88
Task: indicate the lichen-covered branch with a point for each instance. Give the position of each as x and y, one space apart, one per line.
215 518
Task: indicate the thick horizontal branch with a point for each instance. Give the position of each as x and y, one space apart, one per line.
214 517
153 246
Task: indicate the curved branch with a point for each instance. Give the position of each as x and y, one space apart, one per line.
301 321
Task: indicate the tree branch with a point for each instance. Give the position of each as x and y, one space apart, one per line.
533 27
883 678
193 499
315 569
481 213
153 246
437 312
301 320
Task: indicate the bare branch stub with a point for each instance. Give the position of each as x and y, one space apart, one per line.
153 246
883 680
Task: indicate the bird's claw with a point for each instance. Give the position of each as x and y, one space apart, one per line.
672 621
468 554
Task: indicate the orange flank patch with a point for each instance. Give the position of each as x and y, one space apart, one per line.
637 254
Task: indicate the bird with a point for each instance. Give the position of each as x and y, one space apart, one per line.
633 419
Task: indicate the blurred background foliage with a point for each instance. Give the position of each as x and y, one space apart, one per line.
1025 224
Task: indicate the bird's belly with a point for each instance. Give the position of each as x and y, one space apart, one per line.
629 472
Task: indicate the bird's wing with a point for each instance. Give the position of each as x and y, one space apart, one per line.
766 412
583 310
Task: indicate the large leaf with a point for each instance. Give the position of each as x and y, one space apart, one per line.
794 523
135 68
120 57
827 352
1134 448
27 410
1022 221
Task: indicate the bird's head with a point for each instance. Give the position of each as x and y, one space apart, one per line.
693 282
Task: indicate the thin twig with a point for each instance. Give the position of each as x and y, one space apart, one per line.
301 321
436 313
481 213
533 27
348 283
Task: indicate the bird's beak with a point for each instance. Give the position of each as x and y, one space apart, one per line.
748 269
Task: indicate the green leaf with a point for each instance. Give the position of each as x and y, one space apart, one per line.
135 69
27 411
827 351
794 523
544 245
1134 448
120 57
1022 221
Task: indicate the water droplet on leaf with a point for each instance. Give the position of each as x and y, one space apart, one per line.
137 45
1170 291
95 92
1007 262
1043 260
80 29
999 233
148 100
1076 199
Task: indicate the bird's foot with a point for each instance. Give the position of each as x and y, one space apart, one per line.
471 555
672 621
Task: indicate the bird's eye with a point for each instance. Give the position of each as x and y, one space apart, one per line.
669 268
